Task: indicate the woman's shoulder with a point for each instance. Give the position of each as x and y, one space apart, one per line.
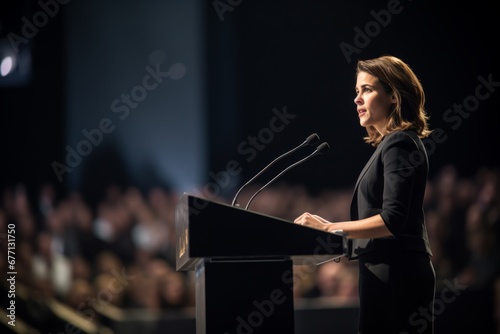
407 138
409 134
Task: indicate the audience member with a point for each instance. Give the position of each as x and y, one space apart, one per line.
122 252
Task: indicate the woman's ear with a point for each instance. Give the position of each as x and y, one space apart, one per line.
393 98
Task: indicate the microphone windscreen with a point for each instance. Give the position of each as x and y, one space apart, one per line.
312 139
323 148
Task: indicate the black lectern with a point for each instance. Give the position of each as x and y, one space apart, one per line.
243 262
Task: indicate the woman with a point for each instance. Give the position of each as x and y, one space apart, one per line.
387 233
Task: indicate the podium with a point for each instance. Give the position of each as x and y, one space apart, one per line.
243 262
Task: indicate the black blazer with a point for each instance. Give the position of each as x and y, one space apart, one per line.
392 184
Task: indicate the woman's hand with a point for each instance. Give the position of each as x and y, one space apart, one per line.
314 221
371 227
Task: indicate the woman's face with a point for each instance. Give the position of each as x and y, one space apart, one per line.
373 102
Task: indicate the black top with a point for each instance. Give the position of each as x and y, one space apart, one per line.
392 184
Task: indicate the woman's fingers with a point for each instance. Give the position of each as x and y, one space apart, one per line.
307 219
301 219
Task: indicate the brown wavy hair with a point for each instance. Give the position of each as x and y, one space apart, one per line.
399 79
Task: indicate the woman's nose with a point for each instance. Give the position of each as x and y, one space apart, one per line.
357 99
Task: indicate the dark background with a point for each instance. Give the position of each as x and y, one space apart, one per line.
259 56
289 55
271 54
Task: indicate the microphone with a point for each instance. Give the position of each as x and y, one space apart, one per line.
321 149
310 140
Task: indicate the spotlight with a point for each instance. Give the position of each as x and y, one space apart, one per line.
7 65
15 68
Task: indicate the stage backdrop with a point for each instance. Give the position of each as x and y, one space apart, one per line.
135 94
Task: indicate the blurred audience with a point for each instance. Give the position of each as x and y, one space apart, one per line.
122 253
50 266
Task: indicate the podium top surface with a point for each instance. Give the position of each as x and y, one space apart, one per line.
207 229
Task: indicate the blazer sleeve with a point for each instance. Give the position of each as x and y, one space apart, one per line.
400 158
